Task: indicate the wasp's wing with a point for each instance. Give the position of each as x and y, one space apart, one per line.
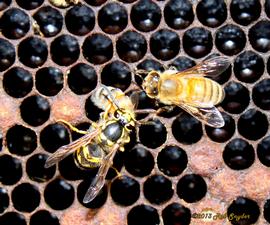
210 116
99 179
66 150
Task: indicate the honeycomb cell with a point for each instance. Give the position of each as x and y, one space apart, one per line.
95 2
197 42
191 188
236 98
80 20
35 168
4 4
25 197
182 63
266 210
10 170
261 94
245 12
243 206
224 133
30 4
145 15
248 67
44 217
175 214
49 21
49 81
59 194
157 189
259 36
186 129
131 46
91 110
172 160
14 23
178 14
4 200
158 134
211 13
82 78
97 49
263 151
112 18
21 141
65 50
17 82
33 52
142 215
253 124
53 137
125 190
7 54
116 74
238 154
164 44
35 110
13 218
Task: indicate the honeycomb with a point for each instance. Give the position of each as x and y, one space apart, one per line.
53 54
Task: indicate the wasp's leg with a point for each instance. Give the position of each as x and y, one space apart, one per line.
72 127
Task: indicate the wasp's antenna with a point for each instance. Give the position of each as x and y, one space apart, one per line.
109 96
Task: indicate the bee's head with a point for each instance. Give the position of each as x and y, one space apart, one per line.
150 84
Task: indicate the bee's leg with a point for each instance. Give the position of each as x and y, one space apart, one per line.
145 111
167 108
72 127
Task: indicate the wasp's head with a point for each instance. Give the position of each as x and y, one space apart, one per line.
151 83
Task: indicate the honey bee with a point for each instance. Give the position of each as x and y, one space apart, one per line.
100 143
190 89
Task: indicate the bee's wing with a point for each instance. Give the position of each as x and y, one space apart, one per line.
66 150
210 116
99 179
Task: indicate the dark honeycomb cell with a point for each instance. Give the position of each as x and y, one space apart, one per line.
80 20
7 54
230 39
44 217
116 74
49 81
35 110
21 141
13 218
95 2
157 189
224 76
253 124
266 210
14 23
259 36
238 154
49 21
131 46
33 52
248 67
178 14
4 4
261 94
112 18
224 133
91 110
245 12
186 129
191 188
53 137
172 160
143 215
97 48
158 134
17 82
125 190
211 13
65 50
145 15
197 42
139 161
243 206
145 102
25 197
236 98
176 214
35 168
4 200
263 151
82 78
59 194
165 44
182 63
10 170
30 4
